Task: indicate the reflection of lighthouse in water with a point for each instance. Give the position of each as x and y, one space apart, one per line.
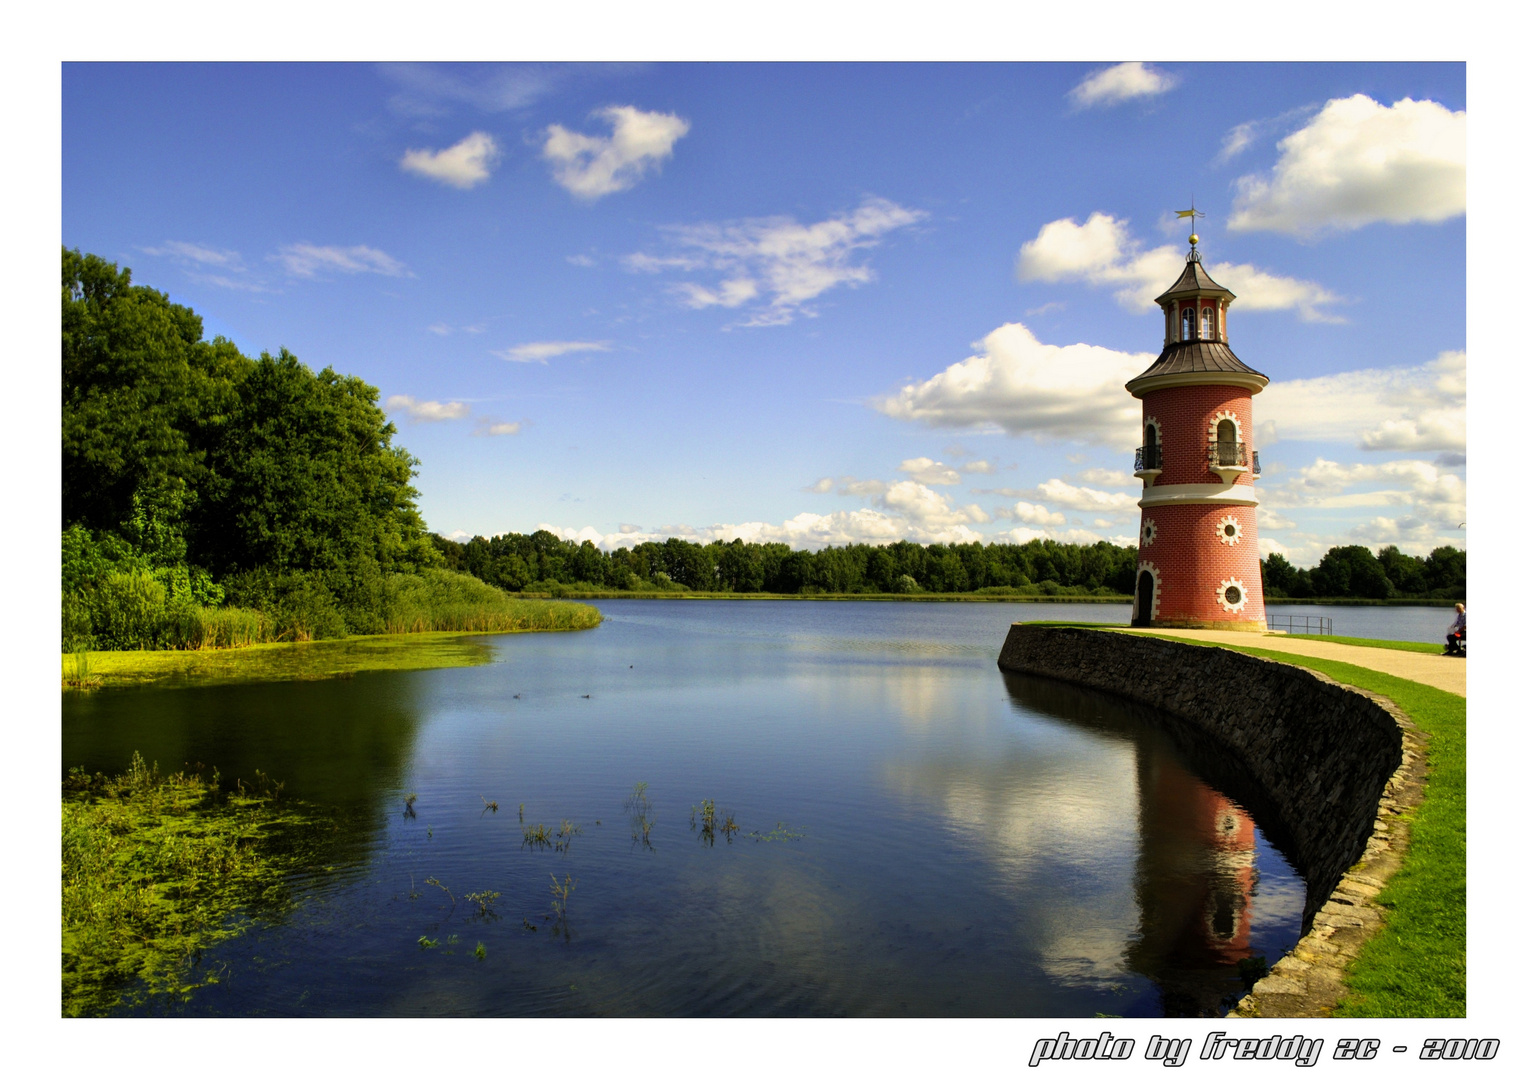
1194 885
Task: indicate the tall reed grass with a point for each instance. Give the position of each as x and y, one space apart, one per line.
133 611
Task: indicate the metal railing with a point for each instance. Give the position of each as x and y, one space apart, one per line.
1257 464
1227 455
1148 457
1301 624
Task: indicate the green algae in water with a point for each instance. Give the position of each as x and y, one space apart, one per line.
157 869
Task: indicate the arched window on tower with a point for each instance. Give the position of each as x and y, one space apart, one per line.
1152 451
1225 443
1186 325
1207 324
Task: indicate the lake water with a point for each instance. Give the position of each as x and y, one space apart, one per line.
918 833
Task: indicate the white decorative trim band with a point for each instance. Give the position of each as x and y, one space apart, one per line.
1214 494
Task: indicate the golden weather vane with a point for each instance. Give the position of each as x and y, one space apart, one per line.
1191 213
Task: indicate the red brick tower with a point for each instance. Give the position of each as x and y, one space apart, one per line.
1198 564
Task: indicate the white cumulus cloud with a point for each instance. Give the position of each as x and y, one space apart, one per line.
308 260
1410 408
427 410
1358 162
928 471
776 260
1022 386
1035 514
1084 498
1101 251
591 166
1120 83
539 352
464 165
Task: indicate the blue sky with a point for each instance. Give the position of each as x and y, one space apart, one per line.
815 303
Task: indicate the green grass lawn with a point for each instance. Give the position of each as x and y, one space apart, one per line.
1415 966
1372 643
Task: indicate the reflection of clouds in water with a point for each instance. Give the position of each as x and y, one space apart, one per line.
1055 822
922 695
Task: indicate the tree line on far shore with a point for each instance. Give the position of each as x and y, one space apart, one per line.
1353 571
541 562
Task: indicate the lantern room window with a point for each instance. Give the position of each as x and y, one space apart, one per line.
1186 325
1207 324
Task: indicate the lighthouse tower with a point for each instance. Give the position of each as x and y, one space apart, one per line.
1198 564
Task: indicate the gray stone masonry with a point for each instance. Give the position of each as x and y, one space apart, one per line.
1338 766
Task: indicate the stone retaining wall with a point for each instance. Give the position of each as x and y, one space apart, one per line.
1336 766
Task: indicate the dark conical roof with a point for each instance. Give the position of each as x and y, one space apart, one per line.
1195 282
1200 358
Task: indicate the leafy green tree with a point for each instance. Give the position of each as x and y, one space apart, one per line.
1444 572
1351 570
144 397
306 477
1407 573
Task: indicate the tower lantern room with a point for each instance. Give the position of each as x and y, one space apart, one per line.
1198 562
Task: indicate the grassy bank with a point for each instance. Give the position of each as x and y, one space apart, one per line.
280 662
993 596
1371 643
1415 966
1023 595
155 870
126 611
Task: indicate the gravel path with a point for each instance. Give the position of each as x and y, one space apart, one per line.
1444 672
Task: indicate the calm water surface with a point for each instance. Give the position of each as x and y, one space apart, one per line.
919 833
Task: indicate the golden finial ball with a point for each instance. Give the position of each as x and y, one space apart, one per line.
1193 238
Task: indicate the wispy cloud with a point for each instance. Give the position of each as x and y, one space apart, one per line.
209 265
426 90
309 260
427 411
1121 83
775 259
200 254
592 166
464 165
539 352
490 427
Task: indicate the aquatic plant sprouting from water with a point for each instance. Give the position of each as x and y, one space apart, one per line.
560 893
484 901
706 813
781 831
704 817
536 836
442 888
489 804
640 807
565 834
